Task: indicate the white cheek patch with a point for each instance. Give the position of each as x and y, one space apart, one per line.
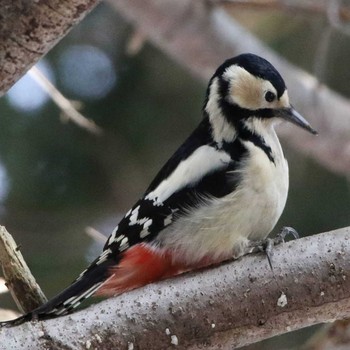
221 129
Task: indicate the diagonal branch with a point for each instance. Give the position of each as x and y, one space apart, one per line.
29 29
19 280
66 106
227 306
316 7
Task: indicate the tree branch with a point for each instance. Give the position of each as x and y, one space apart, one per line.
29 29
316 7
227 306
19 280
201 38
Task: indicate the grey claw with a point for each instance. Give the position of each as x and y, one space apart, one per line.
267 245
286 231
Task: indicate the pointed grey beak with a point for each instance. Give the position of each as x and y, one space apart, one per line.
291 115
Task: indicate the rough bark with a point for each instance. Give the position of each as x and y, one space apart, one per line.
228 306
19 280
29 29
201 38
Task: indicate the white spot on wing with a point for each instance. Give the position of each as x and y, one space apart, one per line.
112 237
103 257
168 220
86 294
145 232
119 238
134 216
124 244
76 300
124 241
202 161
68 301
147 223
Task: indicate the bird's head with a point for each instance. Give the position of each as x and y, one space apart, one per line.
246 88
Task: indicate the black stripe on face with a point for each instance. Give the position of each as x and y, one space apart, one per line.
247 135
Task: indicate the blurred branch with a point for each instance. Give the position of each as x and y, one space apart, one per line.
335 336
231 305
135 43
315 7
97 236
19 280
201 37
29 29
66 106
335 17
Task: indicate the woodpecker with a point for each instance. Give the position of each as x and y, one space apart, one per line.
223 190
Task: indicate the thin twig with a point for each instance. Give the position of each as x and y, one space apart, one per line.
97 236
63 103
135 43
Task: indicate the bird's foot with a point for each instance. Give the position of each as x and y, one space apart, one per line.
285 231
267 244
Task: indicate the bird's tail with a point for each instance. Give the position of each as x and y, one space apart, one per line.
83 287
108 275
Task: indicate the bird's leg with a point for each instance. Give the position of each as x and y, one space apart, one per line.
267 244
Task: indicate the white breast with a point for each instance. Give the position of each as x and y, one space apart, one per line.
223 227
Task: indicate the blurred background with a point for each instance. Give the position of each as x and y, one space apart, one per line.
56 179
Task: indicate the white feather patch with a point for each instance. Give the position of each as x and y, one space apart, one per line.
168 220
201 162
144 233
113 235
222 130
124 244
134 216
147 223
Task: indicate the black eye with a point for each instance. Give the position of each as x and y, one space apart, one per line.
270 96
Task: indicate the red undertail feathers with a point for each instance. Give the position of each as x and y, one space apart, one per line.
140 265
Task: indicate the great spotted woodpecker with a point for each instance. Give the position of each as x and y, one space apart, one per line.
222 190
